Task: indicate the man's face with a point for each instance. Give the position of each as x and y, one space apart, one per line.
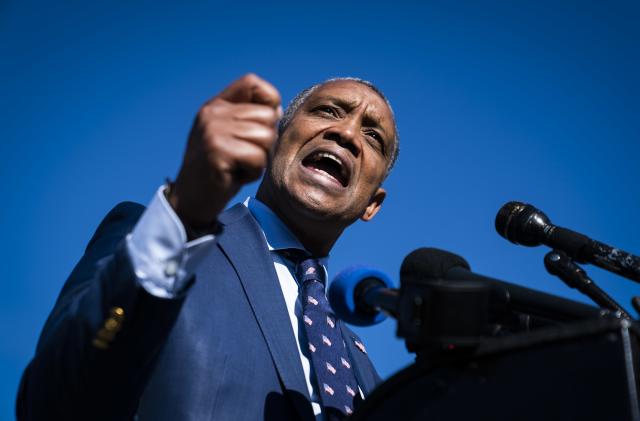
333 156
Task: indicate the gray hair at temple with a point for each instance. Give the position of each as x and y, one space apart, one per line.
300 99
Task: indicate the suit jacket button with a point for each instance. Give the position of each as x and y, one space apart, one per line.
117 313
106 335
111 324
100 344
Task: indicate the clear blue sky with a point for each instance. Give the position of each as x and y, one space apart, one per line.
535 101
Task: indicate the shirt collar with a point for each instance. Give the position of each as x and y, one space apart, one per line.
276 233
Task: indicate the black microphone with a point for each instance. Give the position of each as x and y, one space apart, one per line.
429 264
523 224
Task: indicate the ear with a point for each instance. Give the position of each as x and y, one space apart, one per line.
374 205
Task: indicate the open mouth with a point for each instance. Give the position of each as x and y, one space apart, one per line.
329 164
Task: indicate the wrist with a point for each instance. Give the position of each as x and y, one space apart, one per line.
192 228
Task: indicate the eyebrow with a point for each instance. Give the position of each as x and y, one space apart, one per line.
370 120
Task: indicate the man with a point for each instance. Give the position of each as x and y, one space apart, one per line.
183 311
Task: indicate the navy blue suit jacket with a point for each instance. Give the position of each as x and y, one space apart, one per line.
224 351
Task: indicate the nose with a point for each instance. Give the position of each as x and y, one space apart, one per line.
346 134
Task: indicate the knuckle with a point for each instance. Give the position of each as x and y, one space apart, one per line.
210 118
213 107
213 141
256 158
204 112
270 133
250 78
271 114
263 113
216 103
263 161
223 165
200 115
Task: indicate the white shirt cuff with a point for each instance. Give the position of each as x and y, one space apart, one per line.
162 258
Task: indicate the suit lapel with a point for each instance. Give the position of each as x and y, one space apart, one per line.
243 243
362 368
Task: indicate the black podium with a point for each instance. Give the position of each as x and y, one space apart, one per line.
579 371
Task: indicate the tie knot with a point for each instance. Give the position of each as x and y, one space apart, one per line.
294 255
310 269
307 268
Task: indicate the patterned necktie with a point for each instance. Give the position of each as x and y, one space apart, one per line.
337 384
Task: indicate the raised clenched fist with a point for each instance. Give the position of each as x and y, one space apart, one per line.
228 147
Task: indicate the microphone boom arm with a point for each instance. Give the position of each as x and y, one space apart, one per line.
559 264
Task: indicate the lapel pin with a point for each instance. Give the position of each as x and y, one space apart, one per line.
360 346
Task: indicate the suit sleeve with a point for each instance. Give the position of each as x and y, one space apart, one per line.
99 343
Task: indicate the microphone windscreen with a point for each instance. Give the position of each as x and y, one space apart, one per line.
427 264
342 290
505 215
521 223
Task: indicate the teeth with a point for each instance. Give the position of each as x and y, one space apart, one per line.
343 169
321 155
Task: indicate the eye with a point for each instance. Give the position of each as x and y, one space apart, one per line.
375 135
377 139
327 110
